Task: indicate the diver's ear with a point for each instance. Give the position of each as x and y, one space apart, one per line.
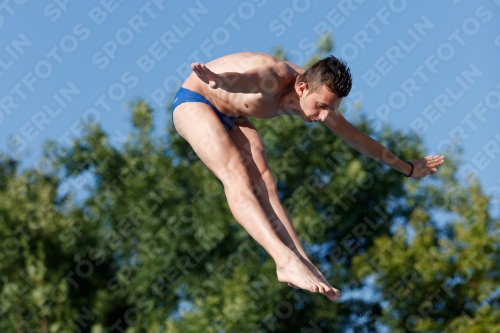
302 89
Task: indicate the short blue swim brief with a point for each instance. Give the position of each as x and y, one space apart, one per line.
186 95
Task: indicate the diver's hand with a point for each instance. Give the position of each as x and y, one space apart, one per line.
426 166
206 75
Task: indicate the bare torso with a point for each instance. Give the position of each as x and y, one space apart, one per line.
265 101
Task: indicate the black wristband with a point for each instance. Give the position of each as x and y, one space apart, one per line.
411 169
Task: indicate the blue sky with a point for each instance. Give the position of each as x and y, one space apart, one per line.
425 67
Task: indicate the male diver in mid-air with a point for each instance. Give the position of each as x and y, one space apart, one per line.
212 110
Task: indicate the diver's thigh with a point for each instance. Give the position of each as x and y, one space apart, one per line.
200 126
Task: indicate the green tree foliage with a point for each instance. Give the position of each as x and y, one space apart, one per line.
133 234
279 52
324 47
442 278
52 265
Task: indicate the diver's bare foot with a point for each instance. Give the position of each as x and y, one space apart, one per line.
298 275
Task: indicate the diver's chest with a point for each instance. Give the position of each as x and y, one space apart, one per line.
257 103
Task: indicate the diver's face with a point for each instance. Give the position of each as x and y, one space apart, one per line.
317 105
